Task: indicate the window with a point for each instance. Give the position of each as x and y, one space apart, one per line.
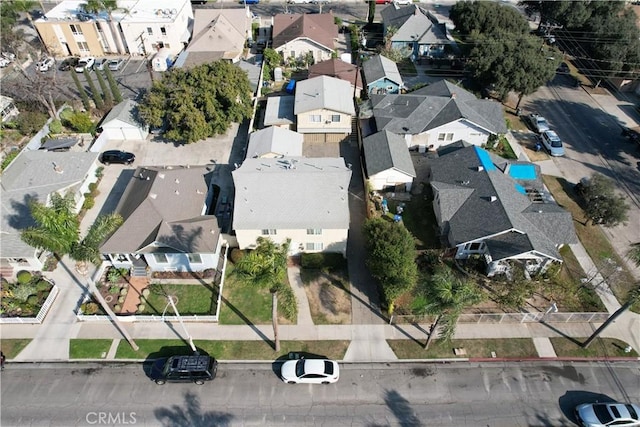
161 258
335 118
163 31
150 31
83 46
269 232
76 30
314 246
315 118
194 258
477 246
314 231
292 54
445 137
98 27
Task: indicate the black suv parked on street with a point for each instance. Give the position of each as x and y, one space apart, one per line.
184 369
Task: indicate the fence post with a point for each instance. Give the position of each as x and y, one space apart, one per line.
391 319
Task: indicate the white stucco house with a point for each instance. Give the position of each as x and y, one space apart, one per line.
167 225
295 35
123 123
302 199
324 104
387 162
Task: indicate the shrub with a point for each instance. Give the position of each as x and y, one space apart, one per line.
99 172
24 291
89 201
30 122
117 308
9 158
93 187
114 275
24 276
123 291
141 308
32 300
121 299
55 126
145 293
42 286
80 122
236 255
312 260
114 290
90 308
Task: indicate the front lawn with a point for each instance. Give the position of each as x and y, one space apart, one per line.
231 350
609 264
189 299
89 348
441 349
243 303
600 347
12 347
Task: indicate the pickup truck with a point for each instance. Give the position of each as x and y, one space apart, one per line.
538 123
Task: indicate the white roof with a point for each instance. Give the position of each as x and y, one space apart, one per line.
291 193
275 140
128 10
324 92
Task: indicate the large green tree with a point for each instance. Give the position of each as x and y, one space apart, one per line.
447 295
266 267
512 62
601 202
199 102
482 17
391 256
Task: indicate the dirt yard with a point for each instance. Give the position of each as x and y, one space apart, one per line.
329 299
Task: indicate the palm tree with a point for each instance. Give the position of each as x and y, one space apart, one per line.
266 267
109 6
87 249
447 295
57 228
634 253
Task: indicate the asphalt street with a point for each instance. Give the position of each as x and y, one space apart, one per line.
403 394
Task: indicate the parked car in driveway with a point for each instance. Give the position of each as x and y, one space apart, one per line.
85 63
100 63
115 64
45 64
538 123
608 414
69 63
117 156
552 143
310 371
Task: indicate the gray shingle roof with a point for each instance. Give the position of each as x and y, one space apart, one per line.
34 175
385 150
378 67
126 112
418 112
275 140
269 193
393 16
164 206
484 202
418 28
324 92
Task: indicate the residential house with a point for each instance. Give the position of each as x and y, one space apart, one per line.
414 33
279 112
498 209
167 225
8 109
254 72
381 75
435 115
274 142
341 70
295 35
387 162
134 28
218 34
123 123
36 175
324 105
302 199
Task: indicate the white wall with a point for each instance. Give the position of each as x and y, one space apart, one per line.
300 47
461 129
334 240
180 262
305 125
390 177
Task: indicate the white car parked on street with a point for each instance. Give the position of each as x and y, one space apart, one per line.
310 371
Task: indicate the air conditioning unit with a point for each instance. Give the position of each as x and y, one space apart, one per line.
327 122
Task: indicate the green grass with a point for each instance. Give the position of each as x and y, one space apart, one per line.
12 347
243 303
89 348
191 299
420 220
231 350
594 241
600 347
439 349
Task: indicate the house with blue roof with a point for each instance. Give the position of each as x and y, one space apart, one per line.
498 209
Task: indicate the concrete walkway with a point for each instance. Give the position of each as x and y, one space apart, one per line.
304 312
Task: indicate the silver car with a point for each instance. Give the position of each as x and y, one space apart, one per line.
608 414
552 143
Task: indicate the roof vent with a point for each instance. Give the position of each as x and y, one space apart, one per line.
177 181
480 168
161 175
57 168
177 193
153 195
453 95
493 199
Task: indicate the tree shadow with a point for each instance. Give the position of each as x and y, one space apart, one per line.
572 398
191 414
401 409
248 322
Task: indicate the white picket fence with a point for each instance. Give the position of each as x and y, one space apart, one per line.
498 318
